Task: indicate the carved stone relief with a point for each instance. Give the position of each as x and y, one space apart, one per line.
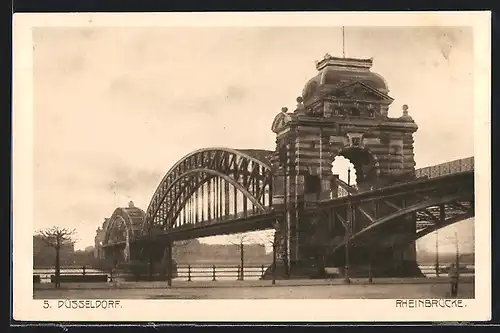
328 109
337 140
354 109
355 139
357 92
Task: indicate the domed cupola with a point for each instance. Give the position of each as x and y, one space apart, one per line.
348 80
335 72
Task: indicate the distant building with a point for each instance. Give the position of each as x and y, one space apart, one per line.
99 239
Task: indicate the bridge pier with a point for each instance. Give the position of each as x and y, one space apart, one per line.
391 252
342 112
150 266
388 262
162 266
167 267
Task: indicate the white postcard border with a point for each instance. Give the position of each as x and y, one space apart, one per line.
25 308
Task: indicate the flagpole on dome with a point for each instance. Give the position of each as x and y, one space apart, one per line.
343 42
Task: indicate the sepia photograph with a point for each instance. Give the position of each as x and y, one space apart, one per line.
333 160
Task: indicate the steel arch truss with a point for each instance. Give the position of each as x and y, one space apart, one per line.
396 215
436 217
123 227
197 190
429 216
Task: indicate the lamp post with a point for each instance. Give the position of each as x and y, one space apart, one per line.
274 240
457 258
437 254
283 158
168 249
347 280
455 271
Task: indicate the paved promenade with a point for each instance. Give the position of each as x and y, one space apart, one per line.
315 289
240 284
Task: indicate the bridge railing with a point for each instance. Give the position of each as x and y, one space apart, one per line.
342 188
461 165
342 192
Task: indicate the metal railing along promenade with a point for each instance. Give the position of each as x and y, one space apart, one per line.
200 272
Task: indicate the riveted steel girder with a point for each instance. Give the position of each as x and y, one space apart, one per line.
213 168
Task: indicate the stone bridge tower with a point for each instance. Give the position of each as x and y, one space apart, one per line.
343 111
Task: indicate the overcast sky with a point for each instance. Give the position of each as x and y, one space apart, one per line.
116 107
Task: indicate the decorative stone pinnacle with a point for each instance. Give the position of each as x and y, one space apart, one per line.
301 110
405 110
284 109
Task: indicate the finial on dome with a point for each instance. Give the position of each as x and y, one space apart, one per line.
284 109
131 204
405 110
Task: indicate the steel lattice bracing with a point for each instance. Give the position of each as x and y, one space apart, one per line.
435 217
213 185
423 205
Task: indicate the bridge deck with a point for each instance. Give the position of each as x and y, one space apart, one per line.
229 225
396 189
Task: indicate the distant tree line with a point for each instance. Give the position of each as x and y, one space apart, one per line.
193 251
44 255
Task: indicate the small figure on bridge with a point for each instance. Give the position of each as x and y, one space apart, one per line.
83 269
454 277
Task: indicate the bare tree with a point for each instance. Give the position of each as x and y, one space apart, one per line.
56 238
241 239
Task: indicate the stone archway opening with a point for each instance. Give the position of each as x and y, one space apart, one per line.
362 163
340 167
